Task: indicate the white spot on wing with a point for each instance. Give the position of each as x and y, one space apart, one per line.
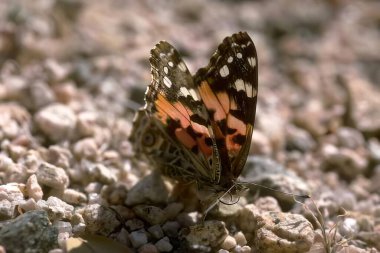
224 71
239 85
230 59
170 64
194 94
182 66
185 91
251 92
239 55
166 70
252 61
162 55
167 82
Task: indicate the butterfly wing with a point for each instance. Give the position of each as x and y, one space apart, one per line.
228 88
173 102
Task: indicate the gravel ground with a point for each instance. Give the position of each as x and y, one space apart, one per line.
73 72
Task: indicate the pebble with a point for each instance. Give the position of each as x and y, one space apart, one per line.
56 121
267 204
56 208
7 209
156 231
59 156
28 205
31 230
283 232
36 95
138 238
134 224
349 227
33 189
164 245
171 228
209 234
240 238
299 139
52 176
100 219
86 149
151 214
150 189
74 197
148 248
346 162
350 138
229 243
173 209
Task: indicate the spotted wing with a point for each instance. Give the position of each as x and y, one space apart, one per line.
228 89
173 102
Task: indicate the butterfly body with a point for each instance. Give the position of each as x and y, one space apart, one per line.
199 128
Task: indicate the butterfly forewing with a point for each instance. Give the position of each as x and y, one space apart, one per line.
228 88
207 118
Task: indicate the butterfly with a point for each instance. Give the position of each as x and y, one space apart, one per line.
198 128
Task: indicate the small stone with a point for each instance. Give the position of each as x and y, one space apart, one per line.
63 226
156 231
59 156
172 210
134 224
209 234
100 219
151 214
115 194
57 121
164 245
75 197
148 248
228 243
28 205
267 172
6 209
346 162
299 139
12 192
36 95
268 204
171 228
56 208
103 174
223 251
247 218
33 189
283 232
138 238
31 230
87 123
240 238
151 189
260 144
86 149
52 176
245 249
62 238
349 227
350 138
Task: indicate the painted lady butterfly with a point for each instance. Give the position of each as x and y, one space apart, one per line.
198 128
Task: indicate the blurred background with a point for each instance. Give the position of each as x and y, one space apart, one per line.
319 77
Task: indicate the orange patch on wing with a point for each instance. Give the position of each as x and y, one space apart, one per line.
175 111
211 101
185 138
241 128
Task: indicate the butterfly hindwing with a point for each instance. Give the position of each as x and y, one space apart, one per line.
174 102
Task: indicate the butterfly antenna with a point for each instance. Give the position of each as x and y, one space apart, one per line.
217 201
303 196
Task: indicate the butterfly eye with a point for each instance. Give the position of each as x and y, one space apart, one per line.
148 139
